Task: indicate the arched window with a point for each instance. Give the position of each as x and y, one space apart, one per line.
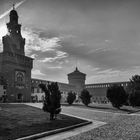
19 76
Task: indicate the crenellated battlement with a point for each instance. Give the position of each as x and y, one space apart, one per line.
99 90
106 85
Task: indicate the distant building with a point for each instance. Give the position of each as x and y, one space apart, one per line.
15 66
77 79
77 84
36 91
98 91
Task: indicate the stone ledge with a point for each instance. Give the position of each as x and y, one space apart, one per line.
52 132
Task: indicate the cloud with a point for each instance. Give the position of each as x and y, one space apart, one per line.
47 53
37 72
34 56
108 71
1 49
55 67
36 43
7 12
59 55
103 35
110 75
113 55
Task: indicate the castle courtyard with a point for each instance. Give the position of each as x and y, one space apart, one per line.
107 125
69 70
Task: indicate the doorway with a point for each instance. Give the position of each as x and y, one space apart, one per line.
19 97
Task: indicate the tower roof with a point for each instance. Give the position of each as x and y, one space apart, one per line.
76 72
13 12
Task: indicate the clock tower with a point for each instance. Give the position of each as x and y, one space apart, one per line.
14 42
15 66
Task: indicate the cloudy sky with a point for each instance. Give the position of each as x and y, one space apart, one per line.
101 37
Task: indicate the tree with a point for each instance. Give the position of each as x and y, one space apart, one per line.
134 91
134 84
85 97
52 99
71 97
134 99
117 96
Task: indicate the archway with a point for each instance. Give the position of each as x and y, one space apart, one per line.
19 97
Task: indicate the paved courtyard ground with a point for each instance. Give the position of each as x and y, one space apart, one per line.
117 126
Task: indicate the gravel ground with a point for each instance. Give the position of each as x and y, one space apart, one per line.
108 108
118 127
90 114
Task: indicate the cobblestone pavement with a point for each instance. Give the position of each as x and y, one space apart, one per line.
119 126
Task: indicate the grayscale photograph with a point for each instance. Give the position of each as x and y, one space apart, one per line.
69 69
